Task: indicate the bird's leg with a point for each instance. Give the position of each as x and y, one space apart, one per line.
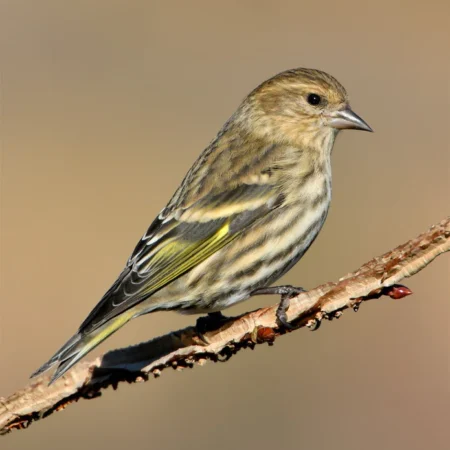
212 321
286 292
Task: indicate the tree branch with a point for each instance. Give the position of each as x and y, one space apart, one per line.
182 349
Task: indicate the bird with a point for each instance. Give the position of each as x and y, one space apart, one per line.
245 213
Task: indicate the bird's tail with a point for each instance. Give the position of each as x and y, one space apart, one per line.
80 345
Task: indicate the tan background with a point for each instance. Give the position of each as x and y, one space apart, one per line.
105 104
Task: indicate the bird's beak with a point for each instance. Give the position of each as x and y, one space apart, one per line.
345 119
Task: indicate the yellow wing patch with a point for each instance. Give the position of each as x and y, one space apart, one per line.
181 257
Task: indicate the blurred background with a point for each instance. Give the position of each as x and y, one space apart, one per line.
106 104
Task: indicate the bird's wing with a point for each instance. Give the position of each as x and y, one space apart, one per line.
181 239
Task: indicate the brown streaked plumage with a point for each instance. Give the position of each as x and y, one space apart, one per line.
246 212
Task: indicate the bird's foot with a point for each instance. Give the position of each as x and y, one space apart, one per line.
211 322
287 292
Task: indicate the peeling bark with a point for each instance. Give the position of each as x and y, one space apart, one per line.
183 348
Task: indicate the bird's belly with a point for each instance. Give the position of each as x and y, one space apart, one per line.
256 259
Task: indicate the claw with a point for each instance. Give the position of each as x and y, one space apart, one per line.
286 292
211 322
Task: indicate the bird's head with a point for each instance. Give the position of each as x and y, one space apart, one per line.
304 106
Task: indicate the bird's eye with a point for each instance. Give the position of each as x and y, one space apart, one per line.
314 99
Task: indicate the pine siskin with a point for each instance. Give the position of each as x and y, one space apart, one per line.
246 212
